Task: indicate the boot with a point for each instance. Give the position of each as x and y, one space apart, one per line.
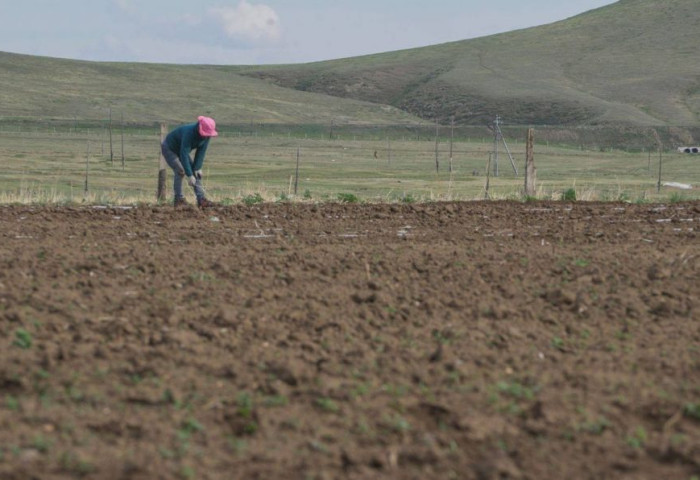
180 202
204 203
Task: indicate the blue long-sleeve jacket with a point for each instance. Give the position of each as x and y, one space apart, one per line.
182 141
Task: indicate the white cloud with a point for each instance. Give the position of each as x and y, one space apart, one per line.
126 6
145 48
248 22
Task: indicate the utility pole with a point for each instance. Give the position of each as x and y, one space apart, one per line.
498 135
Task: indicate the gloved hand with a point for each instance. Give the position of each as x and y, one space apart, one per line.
198 174
192 181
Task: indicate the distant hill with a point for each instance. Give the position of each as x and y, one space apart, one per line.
34 87
633 62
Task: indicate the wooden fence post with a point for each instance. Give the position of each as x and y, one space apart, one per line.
87 169
488 177
452 138
437 140
660 146
162 169
296 172
388 151
122 128
530 171
658 185
111 149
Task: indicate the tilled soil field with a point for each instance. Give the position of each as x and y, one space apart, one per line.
484 340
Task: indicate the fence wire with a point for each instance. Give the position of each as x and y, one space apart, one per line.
52 159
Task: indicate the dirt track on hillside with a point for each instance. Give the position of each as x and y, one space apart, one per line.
448 340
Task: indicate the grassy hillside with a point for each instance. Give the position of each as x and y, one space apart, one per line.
47 87
633 62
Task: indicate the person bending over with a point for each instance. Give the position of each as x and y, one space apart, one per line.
177 148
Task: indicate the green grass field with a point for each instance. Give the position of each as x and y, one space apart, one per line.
46 167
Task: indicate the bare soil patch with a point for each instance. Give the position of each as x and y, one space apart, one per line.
449 340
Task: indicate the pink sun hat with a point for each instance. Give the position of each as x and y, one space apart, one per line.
207 127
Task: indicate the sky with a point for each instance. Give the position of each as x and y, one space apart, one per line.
256 32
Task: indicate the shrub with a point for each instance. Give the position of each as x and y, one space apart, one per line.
348 198
327 404
569 195
676 197
692 410
252 199
23 339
